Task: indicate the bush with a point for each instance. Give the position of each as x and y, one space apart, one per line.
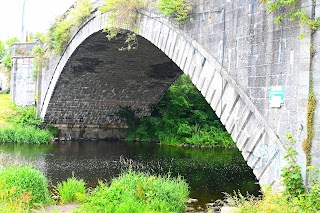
182 116
26 182
27 134
179 9
138 192
71 190
24 116
60 32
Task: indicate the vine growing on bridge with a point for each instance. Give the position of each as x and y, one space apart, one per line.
291 10
307 143
123 16
59 34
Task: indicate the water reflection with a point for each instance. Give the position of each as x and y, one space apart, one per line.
208 171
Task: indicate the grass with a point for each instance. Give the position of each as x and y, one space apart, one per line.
24 135
5 108
276 202
21 125
71 190
138 193
24 186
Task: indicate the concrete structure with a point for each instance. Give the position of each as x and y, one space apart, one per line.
23 87
255 75
4 81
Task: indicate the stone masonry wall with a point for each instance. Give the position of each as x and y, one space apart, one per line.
22 83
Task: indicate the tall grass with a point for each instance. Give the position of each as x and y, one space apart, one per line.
5 108
27 134
21 124
138 193
25 182
71 190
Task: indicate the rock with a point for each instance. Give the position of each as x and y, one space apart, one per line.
190 209
208 205
55 197
228 209
192 200
199 208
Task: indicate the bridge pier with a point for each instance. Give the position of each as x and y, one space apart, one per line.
23 84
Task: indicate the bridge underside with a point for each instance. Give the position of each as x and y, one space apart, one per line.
99 79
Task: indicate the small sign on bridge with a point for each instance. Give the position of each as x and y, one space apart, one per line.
276 96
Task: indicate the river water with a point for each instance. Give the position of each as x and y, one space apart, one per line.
209 172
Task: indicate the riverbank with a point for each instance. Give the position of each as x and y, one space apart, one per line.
26 188
5 108
21 125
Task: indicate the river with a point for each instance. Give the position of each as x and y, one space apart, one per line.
209 172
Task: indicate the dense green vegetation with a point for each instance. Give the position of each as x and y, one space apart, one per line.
5 55
21 124
21 187
61 31
181 117
178 9
140 193
295 198
71 190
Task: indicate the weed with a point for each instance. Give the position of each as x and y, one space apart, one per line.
72 190
138 193
178 9
26 182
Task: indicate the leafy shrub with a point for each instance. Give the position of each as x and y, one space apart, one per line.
138 193
24 116
179 9
39 59
291 173
26 182
71 190
60 32
122 15
27 134
182 116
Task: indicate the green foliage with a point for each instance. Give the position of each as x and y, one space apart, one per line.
40 59
138 193
307 143
24 116
291 173
26 182
122 15
60 32
42 37
181 117
2 50
72 190
7 62
178 9
293 12
5 56
27 134
272 202
25 127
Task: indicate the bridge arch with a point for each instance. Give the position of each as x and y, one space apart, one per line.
260 146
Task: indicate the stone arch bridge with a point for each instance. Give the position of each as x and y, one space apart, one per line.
254 74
